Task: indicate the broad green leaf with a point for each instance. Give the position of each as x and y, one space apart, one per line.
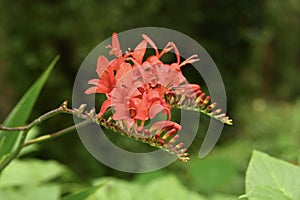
265 193
222 197
30 172
166 187
9 140
45 192
84 194
116 189
271 178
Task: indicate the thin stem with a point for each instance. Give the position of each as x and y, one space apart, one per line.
35 122
88 117
56 134
62 109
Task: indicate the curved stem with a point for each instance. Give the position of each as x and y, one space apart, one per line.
56 134
62 109
88 117
35 122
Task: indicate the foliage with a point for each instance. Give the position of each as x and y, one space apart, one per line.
254 44
31 179
271 178
11 142
208 176
266 178
34 181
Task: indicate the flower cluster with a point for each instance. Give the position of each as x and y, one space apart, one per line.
138 89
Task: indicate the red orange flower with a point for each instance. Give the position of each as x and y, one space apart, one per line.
139 88
141 95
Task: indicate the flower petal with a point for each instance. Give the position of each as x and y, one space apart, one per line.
91 90
102 64
166 125
153 96
103 89
93 81
154 109
139 51
151 43
120 112
116 50
124 68
105 105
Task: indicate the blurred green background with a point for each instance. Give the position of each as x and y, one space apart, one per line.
255 44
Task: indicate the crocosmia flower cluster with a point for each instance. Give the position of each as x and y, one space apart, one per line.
138 89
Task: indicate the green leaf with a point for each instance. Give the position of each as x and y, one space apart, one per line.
271 178
30 172
223 197
10 141
265 193
116 189
167 187
45 192
84 194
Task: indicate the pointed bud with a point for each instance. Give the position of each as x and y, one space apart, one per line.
157 136
162 141
169 133
218 111
200 98
206 100
211 106
181 151
179 146
174 139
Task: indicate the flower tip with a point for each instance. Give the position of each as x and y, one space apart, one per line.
184 159
177 126
91 90
100 114
179 146
229 122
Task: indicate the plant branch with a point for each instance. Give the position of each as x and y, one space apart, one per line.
35 122
56 134
62 109
87 116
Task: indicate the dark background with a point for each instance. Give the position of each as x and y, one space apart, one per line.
255 44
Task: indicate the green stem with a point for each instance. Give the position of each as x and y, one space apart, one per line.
88 118
37 121
55 134
62 109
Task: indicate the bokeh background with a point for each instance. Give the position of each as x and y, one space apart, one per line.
255 44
